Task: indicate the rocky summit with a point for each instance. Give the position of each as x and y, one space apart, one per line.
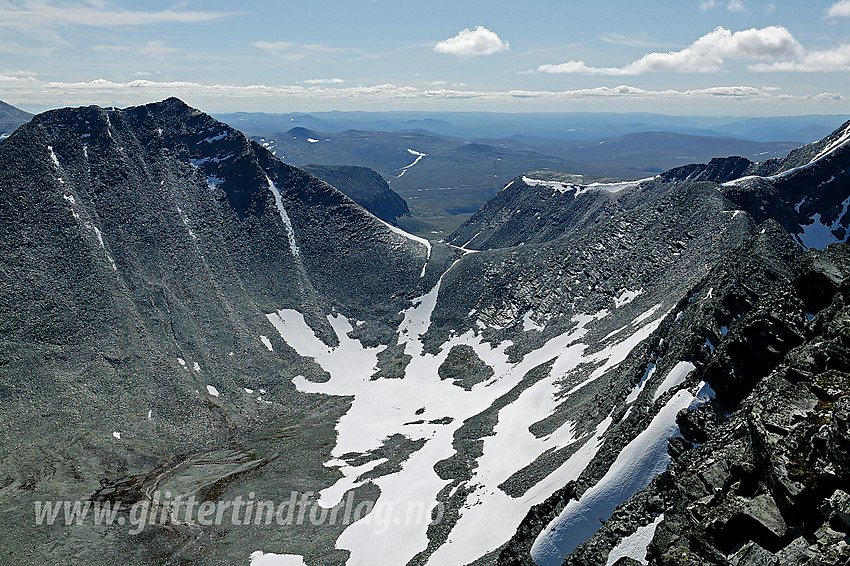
209 356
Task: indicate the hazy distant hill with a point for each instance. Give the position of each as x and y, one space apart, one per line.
649 151
442 179
11 118
555 125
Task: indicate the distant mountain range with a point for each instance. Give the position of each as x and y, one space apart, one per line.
649 152
588 370
466 126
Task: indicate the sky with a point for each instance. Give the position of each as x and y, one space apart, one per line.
685 57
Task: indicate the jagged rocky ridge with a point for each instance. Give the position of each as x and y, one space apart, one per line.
759 478
366 363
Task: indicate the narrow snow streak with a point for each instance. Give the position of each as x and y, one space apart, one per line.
53 156
418 155
290 232
641 460
842 141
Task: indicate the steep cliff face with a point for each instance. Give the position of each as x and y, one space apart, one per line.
141 251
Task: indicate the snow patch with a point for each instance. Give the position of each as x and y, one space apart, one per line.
260 558
266 342
213 182
349 358
816 235
581 188
627 297
418 155
635 545
674 378
528 323
384 407
212 390
220 136
53 156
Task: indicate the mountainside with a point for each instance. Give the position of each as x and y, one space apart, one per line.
142 250
368 189
11 118
806 191
183 316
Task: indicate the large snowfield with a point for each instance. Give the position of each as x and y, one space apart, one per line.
411 406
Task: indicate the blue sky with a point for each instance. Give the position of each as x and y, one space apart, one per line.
715 57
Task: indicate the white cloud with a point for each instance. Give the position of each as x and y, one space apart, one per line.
45 14
22 89
840 9
467 43
274 47
110 48
322 81
295 52
633 40
149 49
731 5
705 55
156 49
17 48
813 61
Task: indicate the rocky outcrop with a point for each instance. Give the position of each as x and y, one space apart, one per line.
760 479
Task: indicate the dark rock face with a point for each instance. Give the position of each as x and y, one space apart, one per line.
532 212
368 189
807 192
141 250
765 484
